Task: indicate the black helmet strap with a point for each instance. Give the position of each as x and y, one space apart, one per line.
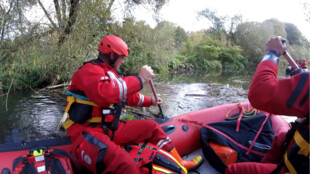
112 61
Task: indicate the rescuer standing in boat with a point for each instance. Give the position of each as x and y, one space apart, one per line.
289 96
96 96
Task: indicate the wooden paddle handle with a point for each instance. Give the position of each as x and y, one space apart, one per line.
153 89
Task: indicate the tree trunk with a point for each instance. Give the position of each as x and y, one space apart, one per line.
58 14
74 4
4 21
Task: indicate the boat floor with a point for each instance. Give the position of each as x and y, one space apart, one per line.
205 167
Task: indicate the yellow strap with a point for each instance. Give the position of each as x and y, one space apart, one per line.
94 120
68 123
302 143
288 165
85 102
161 169
72 99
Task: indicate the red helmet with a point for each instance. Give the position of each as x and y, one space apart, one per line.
113 44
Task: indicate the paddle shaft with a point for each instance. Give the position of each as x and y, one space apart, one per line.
290 60
156 98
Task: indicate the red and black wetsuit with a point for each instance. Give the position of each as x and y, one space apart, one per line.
289 96
92 144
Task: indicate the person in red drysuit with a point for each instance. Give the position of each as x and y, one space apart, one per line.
96 96
289 96
304 64
297 62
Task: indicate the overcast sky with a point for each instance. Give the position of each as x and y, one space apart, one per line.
184 12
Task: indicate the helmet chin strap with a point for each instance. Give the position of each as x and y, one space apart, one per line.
112 61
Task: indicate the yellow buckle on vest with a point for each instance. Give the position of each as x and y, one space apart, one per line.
37 152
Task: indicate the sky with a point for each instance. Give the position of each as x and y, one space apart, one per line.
184 12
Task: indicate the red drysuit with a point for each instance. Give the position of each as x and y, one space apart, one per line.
92 146
289 96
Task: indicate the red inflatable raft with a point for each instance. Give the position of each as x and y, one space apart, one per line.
183 131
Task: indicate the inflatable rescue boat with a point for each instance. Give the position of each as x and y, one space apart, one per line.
183 130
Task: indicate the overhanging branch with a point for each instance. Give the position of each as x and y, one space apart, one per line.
46 14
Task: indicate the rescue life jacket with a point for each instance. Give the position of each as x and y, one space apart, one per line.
43 161
151 159
295 149
79 109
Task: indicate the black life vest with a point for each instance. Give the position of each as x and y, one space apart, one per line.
79 108
295 149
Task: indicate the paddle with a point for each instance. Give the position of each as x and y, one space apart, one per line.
289 58
156 98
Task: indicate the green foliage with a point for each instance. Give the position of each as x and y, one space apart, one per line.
217 22
299 53
35 57
180 37
252 38
128 117
210 54
273 27
294 36
231 58
154 47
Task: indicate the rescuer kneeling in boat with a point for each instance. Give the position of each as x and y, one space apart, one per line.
96 96
289 96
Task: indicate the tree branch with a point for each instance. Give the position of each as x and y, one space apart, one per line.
110 5
64 10
58 14
7 95
72 18
5 20
47 15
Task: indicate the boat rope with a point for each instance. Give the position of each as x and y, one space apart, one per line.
245 113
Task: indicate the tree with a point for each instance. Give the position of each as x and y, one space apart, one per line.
180 36
12 19
217 22
234 22
307 10
67 12
273 27
250 37
294 36
13 23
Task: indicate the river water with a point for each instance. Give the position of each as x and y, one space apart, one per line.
31 115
